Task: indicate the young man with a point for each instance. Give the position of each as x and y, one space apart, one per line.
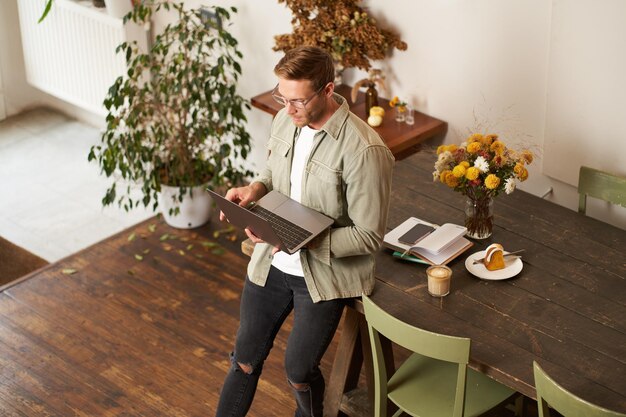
325 157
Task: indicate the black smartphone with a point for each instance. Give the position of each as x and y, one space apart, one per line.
415 234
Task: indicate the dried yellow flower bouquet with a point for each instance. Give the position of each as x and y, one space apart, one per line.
481 168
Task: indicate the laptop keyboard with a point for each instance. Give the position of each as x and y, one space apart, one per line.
291 234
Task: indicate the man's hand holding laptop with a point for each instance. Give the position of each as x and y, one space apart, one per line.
272 217
244 196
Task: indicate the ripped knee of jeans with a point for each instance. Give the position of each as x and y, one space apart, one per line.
246 368
300 387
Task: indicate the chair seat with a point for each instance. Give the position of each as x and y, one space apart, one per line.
425 387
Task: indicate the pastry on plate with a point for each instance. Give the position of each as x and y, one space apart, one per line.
494 257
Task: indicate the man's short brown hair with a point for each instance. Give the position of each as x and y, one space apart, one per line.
307 63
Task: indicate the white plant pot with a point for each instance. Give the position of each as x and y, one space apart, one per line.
194 211
118 8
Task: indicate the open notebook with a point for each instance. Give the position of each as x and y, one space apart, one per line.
439 247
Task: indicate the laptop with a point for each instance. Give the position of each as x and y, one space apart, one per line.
277 219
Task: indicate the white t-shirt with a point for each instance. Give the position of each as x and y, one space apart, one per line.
290 264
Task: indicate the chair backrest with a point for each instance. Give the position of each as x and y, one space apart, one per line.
434 345
563 401
602 185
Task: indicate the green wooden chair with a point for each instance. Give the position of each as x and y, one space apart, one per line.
434 380
566 403
602 185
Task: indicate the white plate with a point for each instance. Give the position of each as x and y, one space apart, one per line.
512 267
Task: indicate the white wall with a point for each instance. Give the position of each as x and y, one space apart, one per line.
586 106
587 88
479 64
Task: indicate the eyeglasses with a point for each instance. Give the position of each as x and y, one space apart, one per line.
297 103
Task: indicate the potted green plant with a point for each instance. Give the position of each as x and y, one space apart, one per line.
175 118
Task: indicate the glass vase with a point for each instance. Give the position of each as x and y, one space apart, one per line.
479 217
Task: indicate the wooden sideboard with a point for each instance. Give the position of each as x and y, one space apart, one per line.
402 139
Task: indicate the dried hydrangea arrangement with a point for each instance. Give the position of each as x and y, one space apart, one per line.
342 28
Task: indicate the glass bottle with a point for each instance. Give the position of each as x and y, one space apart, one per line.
371 98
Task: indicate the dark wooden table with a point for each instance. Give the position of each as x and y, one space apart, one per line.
402 139
566 309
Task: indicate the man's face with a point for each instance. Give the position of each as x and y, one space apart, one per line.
302 90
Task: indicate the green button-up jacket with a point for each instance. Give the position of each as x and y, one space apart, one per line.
348 178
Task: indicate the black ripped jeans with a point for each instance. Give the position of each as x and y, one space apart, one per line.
263 311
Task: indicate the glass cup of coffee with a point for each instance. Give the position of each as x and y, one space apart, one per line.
439 280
